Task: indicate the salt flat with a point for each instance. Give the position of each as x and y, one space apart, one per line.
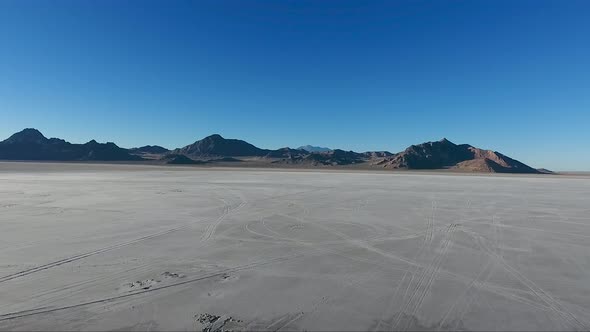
108 247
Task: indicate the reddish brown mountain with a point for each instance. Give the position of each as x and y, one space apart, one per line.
446 154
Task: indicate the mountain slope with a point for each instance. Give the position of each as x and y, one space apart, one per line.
30 144
286 153
148 149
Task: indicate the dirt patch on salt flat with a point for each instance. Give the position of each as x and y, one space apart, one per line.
212 323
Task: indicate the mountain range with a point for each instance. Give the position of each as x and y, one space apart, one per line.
30 144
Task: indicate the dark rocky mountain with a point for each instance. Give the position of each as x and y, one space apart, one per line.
445 154
215 145
287 153
337 157
149 149
311 148
30 144
179 159
103 151
26 136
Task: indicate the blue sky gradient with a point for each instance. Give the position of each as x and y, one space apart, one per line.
512 76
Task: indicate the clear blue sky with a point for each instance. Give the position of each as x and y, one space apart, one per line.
512 76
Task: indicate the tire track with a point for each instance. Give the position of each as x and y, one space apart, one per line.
431 269
296 317
354 242
475 280
424 283
481 275
315 247
70 259
554 305
226 211
44 310
85 255
428 235
268 228
429 274
51 295
211 228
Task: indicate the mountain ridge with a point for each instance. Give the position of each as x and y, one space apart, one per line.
31 144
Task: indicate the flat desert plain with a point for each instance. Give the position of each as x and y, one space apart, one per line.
116 247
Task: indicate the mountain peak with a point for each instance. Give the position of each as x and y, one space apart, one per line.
216 145
30 144
444 140
30 131
27 135
214 137
445 154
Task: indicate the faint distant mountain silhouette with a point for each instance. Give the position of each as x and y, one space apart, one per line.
30 144
311 148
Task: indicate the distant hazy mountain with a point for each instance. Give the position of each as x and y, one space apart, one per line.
311 148
30 144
